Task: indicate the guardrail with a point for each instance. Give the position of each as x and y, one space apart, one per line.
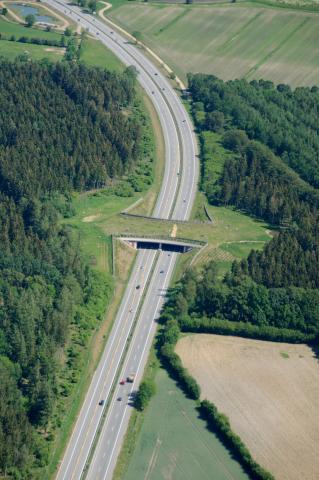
157 219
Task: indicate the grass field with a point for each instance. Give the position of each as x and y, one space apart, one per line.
11 28
94 53
175 444
269 391
231 41
11 50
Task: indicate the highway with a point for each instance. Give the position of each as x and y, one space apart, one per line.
134 327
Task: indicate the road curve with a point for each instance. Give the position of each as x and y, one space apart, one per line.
127 347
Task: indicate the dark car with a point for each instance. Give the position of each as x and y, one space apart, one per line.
101 402
119 399
162 271
138 286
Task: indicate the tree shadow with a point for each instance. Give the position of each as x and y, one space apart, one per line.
315 348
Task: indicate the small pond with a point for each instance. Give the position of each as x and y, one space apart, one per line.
23 10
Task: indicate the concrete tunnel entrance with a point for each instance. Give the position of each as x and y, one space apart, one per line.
178 246
168 247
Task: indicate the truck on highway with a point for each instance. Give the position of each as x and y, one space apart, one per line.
130 378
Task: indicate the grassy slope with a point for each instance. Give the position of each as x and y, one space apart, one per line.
94 53
175 443
240 230
230 41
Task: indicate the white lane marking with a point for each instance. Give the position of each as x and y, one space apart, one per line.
108 353
125 409
125 367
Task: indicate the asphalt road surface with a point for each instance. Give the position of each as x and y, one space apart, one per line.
99 430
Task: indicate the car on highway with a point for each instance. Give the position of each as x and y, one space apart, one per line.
122 382
119 399
138 286
101 402
162 271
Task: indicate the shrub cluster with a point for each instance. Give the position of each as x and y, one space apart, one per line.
34 40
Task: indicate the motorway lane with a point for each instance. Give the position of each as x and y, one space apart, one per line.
172 116
91 412
115 425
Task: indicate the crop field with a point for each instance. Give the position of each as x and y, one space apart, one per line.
269 391
229 41
175 444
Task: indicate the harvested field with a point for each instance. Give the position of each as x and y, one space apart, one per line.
229 41
269 391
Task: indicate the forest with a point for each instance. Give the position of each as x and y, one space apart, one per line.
70 120
284 120
270 170
63 127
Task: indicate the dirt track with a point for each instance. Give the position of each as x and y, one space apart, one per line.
270 392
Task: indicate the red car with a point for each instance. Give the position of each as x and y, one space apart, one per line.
122 382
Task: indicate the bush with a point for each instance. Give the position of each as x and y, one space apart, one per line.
145 393
30 20
235 140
